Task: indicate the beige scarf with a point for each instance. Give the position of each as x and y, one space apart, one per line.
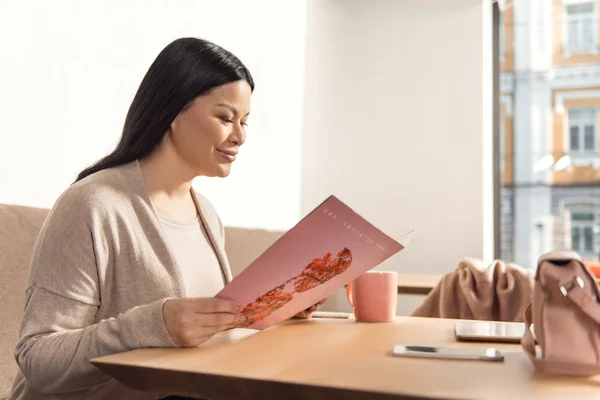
498 292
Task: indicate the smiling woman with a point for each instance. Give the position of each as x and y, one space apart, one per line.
191 85
130 256
208 133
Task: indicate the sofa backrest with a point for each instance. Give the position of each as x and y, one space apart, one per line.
19 227
244 245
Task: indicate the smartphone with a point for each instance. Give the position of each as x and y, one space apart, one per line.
452 353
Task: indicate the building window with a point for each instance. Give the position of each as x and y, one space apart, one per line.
582 131
582 233
580 28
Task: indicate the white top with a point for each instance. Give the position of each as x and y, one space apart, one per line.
196 259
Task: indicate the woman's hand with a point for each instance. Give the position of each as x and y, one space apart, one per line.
192 321
306 314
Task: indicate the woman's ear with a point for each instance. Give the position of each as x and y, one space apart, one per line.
174 124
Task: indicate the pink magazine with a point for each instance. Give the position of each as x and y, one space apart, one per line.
327 249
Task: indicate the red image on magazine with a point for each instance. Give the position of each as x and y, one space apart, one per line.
319 271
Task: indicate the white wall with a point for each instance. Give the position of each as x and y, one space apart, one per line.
397 124
391 113
70 70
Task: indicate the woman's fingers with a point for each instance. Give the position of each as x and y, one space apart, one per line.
208 305
192 321
304 314
219 319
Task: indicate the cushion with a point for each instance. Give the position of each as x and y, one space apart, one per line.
244 245
19 227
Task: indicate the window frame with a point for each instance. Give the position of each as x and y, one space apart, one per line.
582 154
592 48
496 178
581 226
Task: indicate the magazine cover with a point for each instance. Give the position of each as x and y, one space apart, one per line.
330 247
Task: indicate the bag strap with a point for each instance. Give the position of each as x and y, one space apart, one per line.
588 304
527 341
548 366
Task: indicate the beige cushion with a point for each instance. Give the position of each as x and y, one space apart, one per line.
19 227
244 245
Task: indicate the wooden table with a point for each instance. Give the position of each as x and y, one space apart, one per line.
416 283
338 358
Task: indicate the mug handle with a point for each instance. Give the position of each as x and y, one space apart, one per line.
349 296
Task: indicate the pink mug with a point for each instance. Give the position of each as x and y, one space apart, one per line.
374 295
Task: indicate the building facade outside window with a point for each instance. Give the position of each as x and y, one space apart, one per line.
549 146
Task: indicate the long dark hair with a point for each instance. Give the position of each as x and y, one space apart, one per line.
185 69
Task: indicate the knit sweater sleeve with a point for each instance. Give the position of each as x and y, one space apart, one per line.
59 332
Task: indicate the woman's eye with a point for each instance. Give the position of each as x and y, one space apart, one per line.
244 123
226 120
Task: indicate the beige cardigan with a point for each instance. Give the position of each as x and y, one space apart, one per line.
100 273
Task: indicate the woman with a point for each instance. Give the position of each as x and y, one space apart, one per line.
130 256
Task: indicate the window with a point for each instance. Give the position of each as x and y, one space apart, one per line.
582 233
582 130
548 159
580 28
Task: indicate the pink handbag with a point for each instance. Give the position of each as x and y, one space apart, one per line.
565 311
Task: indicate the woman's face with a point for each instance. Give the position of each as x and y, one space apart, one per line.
208 134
